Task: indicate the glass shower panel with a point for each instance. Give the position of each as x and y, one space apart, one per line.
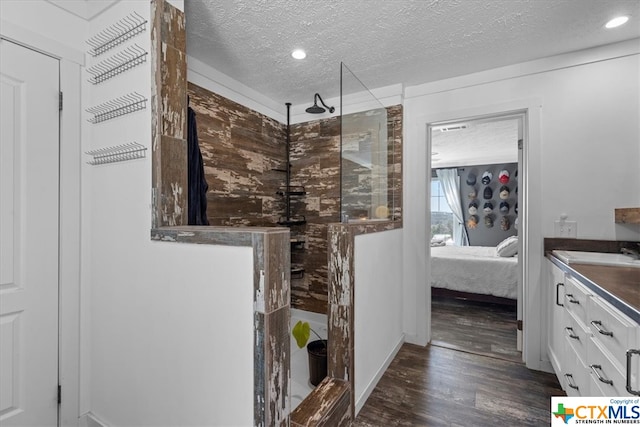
366 153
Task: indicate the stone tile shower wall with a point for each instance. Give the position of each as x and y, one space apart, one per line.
315 161
240 149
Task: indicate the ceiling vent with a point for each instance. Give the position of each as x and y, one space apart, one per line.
452 128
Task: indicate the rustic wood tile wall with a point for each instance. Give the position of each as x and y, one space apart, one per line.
168 115
315 160
241 148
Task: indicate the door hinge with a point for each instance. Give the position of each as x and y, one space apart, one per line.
519 325
60 101
59 394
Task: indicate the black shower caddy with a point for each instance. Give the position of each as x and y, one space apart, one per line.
288 191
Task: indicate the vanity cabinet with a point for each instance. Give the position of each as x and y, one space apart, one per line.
576 337
594 348
556 279
612 335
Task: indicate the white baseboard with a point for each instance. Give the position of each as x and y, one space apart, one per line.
374 381
90 420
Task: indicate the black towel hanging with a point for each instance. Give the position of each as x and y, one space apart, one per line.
197 183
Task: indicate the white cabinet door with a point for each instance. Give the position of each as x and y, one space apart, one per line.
556 288
632 370
618 335
615 331
576 298
29 150
576 374
607 380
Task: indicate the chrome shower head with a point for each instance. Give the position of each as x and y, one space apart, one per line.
315 109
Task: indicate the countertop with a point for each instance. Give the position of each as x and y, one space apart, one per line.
619 286
623 282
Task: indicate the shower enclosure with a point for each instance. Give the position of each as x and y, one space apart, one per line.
367 164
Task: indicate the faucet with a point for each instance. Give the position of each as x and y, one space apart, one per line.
634 253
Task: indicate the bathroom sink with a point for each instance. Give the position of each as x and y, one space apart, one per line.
597 258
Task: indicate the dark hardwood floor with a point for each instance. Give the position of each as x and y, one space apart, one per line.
461 381
476 327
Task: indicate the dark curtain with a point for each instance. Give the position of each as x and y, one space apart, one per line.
197 183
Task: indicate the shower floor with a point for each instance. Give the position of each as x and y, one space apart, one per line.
300 385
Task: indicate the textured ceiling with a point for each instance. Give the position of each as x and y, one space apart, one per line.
481 142
387 42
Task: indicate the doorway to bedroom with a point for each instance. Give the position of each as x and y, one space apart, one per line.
476 283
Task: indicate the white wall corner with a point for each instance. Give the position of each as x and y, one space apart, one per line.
362 399
42 43
211 79
84 9
90 420
389 95
571 59
205 76
178 4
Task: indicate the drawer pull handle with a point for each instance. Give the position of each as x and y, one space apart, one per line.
572 300
629 389
572 334
595 368
558 294
569 378
598 325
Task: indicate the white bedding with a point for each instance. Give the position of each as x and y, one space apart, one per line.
475 269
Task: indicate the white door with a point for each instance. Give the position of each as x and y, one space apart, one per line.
29 152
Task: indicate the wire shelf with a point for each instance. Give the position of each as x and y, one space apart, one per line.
117 107
128 27
127 59
117 153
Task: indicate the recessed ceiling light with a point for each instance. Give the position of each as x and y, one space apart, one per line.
616 22
299 54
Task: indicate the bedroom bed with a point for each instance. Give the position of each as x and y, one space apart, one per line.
475 272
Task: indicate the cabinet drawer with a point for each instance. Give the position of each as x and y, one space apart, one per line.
604 374
613 330
575 379
575 299
576 335
633 372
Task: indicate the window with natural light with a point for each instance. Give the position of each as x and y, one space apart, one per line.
441 216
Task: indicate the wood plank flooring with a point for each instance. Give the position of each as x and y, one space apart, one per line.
476 327
449 386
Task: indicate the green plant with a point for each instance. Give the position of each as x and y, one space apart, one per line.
301 332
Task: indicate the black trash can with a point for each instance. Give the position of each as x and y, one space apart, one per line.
317 351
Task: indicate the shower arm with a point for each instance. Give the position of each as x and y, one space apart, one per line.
317 96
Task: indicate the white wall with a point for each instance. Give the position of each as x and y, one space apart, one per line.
171 332
170 325
144 306
211 79
585 155
43 32
44 18
151 333
377 308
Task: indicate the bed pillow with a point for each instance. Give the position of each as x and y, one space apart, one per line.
508 247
